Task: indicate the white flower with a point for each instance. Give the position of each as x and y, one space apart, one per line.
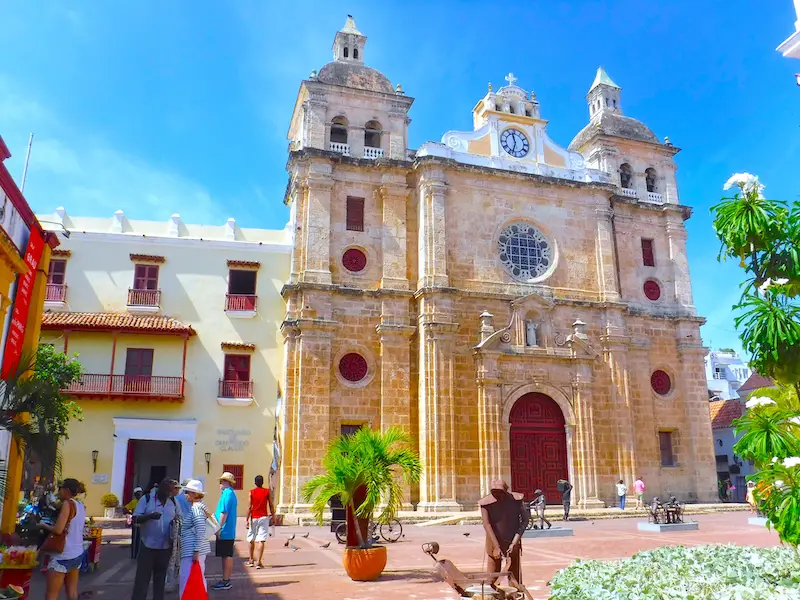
774 459
791 462
760 401
745 181
795 420
762 289
778 483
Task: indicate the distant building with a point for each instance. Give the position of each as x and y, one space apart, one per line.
177 328
729 465
725 373
753 383
790 48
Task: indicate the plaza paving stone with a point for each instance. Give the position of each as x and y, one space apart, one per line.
312 572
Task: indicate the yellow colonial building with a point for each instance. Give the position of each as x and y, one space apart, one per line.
524 309
177 329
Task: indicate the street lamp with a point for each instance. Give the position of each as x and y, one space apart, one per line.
208 462
95 454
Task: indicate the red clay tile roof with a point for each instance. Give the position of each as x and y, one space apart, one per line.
238 346
147 258
755 382
248 264
61 252
723 413
114 322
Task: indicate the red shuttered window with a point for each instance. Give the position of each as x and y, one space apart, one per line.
355 214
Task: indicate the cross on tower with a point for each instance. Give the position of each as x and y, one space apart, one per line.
510 79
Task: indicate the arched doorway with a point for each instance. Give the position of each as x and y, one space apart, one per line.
538 446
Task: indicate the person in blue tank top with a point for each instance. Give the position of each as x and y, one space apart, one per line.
226 517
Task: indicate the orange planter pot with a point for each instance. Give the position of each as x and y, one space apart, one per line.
364 564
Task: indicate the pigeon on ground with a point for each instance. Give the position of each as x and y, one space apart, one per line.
466 534
325 545
294 548
286 544
291 537
305 535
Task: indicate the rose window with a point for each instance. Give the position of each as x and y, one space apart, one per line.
524 252
661 383
354 260
353 367
652 290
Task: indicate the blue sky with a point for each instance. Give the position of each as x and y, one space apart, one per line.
183 106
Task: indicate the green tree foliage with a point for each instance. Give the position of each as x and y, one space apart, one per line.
370 462
765 236
34 408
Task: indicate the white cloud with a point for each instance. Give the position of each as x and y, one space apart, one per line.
87 176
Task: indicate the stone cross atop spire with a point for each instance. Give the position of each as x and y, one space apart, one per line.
511 79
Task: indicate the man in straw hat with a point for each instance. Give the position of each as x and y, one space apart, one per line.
505 518
226 517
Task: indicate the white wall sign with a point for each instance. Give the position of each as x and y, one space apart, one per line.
232 440
12 223
98 478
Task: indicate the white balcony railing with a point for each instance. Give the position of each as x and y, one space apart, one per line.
340 148
373 152
629 192
655 198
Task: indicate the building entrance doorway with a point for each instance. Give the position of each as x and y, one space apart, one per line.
538 447
149 462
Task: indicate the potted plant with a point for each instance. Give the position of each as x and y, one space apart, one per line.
111 503
362 470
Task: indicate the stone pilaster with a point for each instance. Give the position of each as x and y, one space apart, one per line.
432 242
606 255
394 193
584 445
701 462
615 350
490 403
676 238
308 393
316 234
437 417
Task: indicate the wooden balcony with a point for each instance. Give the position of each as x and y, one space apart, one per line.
144 298
235 389
240 302
55 292
146 387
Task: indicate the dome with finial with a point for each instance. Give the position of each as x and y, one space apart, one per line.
347 68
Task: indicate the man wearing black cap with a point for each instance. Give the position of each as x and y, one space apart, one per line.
505 518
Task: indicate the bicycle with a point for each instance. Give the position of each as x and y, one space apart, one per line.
390 532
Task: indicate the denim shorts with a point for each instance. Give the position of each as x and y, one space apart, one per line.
65 565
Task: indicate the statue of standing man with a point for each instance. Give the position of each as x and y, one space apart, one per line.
505 518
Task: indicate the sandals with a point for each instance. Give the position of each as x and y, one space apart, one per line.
250 563
259 566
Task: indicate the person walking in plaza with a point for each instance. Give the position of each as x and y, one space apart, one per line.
566 496
226 517
194 542
129 508
505 518
63 569
539 505
639 487
154 515
259 513
622 490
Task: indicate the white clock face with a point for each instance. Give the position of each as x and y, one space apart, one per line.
515 143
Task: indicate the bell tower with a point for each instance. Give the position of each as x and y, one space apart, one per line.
348 45
604 96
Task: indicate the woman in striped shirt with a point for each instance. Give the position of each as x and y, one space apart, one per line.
194 542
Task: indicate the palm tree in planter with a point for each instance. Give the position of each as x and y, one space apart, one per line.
362 470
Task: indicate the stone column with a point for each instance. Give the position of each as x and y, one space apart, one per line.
616 357
307 410
432 232
317 227
676 238
287 490
585 446
606 255
490 404
395 264
437 418
700 463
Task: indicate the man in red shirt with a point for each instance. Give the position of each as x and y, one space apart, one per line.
258 516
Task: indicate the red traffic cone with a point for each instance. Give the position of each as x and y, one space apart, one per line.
195 586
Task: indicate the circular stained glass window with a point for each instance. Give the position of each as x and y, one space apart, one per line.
353 367
661 383
354 260
524 252
652 290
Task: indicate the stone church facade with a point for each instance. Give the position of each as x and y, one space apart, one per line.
524 310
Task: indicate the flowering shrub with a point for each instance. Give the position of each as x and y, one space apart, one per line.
672 573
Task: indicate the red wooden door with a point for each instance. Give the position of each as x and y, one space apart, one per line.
538 447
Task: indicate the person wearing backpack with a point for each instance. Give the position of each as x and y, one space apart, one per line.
154 515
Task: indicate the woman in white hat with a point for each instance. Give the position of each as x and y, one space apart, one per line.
194 542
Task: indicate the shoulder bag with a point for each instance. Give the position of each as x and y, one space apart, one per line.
54 542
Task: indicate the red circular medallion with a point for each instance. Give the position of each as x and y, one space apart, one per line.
354 260
652 290
661 383
353 367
